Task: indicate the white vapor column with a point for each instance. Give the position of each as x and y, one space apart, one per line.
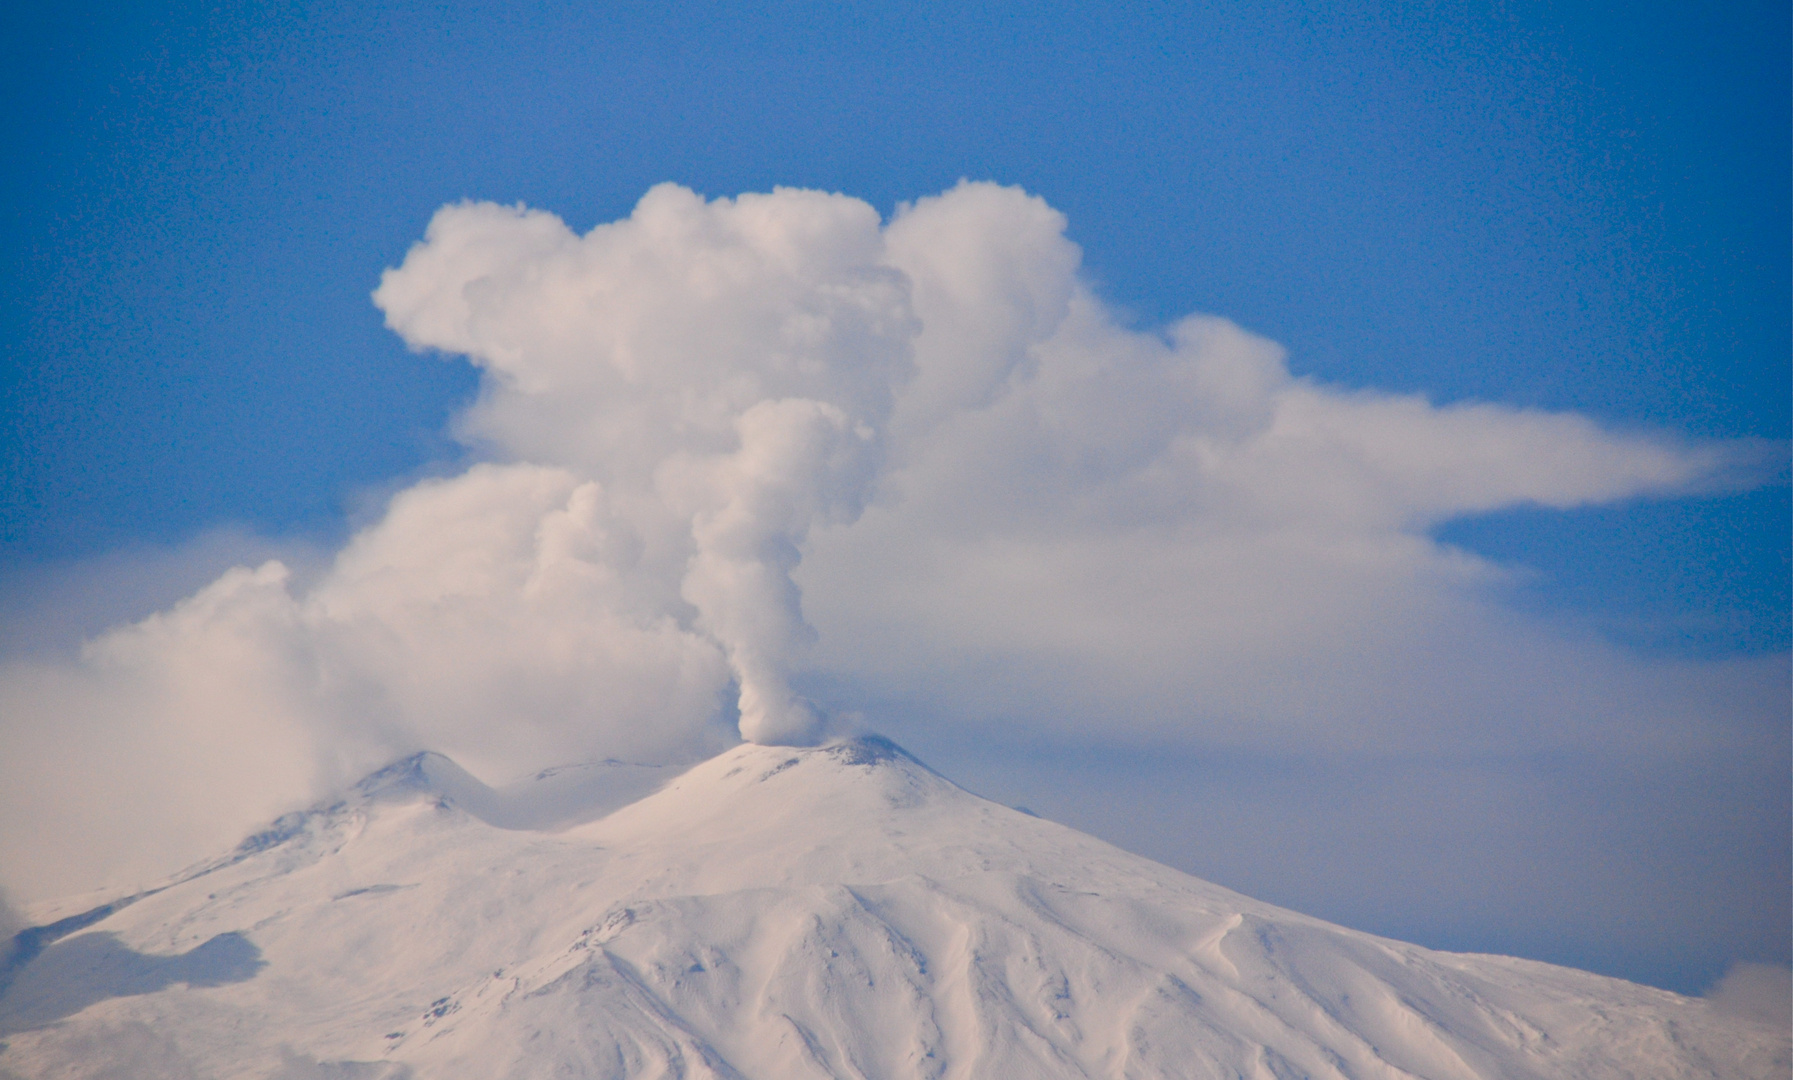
725 368
732 452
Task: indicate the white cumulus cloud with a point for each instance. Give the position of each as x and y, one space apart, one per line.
741 456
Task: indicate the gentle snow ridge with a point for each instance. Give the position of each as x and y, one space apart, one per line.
839 911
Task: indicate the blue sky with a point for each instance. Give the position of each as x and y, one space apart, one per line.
1571 209
1576 208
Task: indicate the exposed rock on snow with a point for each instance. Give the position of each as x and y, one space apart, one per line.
839 911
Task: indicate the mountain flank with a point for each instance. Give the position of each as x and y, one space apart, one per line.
838 911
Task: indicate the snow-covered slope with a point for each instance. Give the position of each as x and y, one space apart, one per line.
778 913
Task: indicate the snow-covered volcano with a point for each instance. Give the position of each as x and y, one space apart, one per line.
777 913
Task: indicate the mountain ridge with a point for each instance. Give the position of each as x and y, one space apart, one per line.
832 911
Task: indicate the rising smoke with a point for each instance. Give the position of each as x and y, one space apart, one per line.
965 459
724 371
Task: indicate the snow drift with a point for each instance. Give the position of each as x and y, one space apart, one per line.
839 911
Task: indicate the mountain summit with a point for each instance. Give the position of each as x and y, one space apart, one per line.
778 913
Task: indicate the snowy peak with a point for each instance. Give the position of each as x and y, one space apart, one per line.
873 750
873 753
869 766
846 811
862 777
550 799
422 773
868 769
787 913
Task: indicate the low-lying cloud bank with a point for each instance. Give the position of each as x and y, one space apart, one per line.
1004 506
1761 992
